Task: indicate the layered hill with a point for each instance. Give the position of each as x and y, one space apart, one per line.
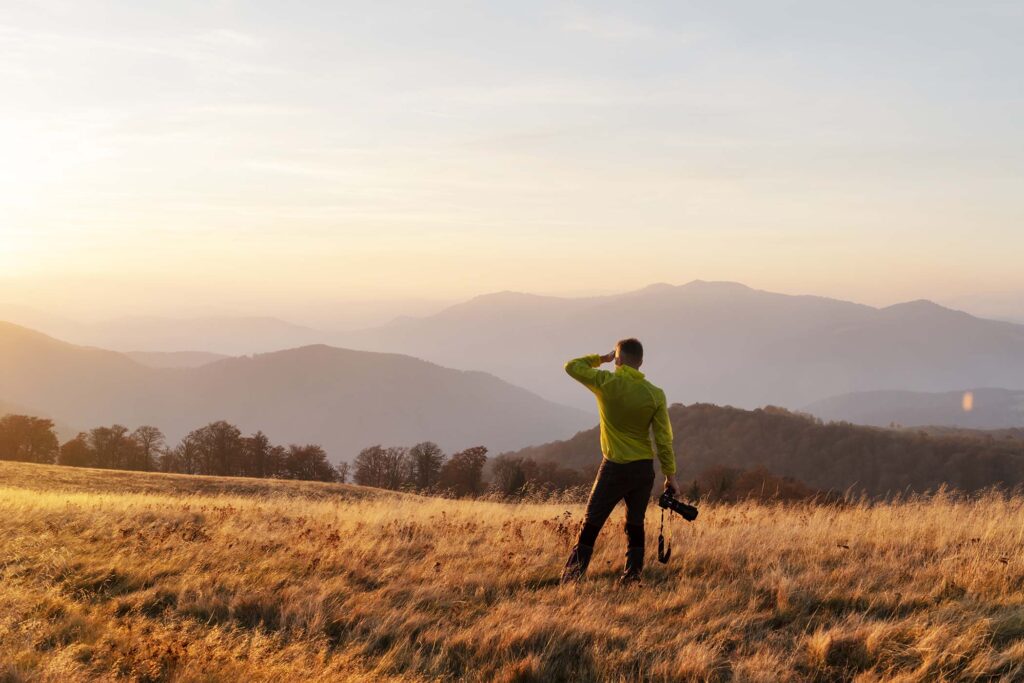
230 335
174 359
342 399
719 342
179 337
825 456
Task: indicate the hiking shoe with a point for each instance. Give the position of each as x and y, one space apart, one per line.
576 565
634 566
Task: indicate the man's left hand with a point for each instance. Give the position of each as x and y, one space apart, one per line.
671 485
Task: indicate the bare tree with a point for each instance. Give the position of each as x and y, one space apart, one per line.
370 467
396 467
149 443
425 460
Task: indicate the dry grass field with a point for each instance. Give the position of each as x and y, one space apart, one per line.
109 575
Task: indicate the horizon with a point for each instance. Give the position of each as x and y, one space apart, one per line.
385 312
263 162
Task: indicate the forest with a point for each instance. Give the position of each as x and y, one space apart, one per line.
834 457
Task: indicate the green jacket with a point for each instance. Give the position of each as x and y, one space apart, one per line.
629 407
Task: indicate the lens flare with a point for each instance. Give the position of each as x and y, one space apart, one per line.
968 401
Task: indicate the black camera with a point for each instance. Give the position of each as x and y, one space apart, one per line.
687 512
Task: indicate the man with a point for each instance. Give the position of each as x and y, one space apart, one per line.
629 407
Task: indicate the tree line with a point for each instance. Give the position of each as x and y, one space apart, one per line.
423 468
218 448
221 449
520 477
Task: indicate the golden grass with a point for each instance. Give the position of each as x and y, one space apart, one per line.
157 577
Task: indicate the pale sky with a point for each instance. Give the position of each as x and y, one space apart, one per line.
158 156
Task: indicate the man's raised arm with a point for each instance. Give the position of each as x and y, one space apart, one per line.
585 370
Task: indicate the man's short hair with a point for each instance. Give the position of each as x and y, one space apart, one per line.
630 350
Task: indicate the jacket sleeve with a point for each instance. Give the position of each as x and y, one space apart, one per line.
663 438
585 371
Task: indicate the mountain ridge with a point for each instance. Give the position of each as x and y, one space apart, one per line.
722 342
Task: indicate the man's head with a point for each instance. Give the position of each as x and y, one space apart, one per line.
629 352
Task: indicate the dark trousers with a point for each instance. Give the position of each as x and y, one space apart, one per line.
631 482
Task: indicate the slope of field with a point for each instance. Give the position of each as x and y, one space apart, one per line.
341 399
282 582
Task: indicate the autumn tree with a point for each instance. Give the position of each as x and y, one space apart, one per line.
308 462
218 448
77 452
259 458
112 447
462 475
515 476
183 458
27 439
509 477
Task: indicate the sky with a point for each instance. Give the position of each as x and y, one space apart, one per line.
272 157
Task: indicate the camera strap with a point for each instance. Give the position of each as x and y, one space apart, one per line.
664 549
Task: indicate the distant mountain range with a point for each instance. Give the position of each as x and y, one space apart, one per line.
982 409
719 342
339 398
220 334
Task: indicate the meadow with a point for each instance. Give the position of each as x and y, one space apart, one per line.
150 577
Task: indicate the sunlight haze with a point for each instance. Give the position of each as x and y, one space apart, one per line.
185 157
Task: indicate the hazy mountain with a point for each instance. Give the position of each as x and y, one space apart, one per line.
174 359
989 408
230 335
221 334
342 399
37 319
1004 305
718 341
